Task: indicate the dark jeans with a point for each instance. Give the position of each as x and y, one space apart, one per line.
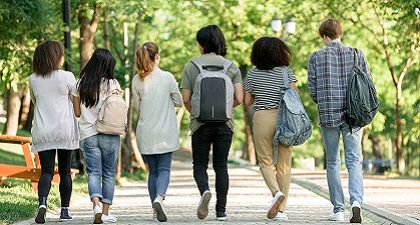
47 159
220 136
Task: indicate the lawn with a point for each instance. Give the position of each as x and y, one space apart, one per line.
17 199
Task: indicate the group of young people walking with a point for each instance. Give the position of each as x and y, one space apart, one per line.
59 99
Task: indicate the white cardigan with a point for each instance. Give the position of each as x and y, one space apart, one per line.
55 125
155 99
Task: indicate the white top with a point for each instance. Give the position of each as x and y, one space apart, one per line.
155 99
88 116
55 125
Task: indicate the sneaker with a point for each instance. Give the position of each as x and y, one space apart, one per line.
221 216
281 216
338 216
41 215
108 218
97 214
203 205
273 209
355 213
160 212
64 215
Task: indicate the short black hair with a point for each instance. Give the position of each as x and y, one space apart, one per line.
270 52
211 38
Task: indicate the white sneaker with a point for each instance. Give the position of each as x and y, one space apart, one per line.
281 216
108 218
273 209
356 213
338 216
160 212
203 205
97 214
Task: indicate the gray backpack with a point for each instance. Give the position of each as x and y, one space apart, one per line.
212 97
293 124
362 102
112 117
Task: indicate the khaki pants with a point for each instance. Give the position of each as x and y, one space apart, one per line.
277 177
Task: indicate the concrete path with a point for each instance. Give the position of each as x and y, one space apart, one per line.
387 201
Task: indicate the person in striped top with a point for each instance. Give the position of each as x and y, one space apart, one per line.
263 87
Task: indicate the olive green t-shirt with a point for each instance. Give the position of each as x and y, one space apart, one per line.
191 72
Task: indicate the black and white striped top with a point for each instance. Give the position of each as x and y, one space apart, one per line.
266 85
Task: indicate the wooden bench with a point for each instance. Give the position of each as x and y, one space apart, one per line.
32 170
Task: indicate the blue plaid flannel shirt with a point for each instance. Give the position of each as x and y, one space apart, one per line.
328 72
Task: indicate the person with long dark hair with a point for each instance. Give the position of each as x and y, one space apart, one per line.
212 46
263 87
54 130
156 95
100 151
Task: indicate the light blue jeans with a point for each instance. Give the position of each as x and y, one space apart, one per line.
159 174
352 149
101 155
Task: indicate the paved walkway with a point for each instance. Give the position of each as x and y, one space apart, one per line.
387 201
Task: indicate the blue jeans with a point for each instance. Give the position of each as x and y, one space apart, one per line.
101 155
220 136
352 149
159 173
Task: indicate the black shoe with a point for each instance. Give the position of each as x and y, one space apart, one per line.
221 216
41 215
64 215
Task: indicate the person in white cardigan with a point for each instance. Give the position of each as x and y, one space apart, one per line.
156 95
54 131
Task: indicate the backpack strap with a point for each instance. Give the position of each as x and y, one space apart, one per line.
198 64
226 65
285 77
356 57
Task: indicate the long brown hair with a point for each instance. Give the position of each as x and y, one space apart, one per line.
145 58
47 55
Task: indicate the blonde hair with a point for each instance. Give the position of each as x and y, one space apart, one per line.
145 58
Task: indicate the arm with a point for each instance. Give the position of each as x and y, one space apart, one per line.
186 98
76 106
175 94
249 99
293 86
239 94
312 78
136 94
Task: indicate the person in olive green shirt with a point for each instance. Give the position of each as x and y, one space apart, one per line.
212 46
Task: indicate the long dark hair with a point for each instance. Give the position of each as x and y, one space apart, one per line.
211 38
100 65
270 52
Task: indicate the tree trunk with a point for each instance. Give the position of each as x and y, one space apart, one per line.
25 107
129 149
13 106
106 31
398 141
87 32
376 146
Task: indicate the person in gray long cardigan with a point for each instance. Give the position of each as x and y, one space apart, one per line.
156 95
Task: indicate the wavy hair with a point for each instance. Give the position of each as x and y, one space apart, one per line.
270 52
145 57
99 67
46 58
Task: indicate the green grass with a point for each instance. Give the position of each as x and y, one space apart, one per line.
17 199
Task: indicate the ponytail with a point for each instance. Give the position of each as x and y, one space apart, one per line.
145 59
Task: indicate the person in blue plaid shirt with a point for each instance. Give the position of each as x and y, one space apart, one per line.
328 72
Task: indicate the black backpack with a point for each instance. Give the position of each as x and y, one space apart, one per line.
362 102
212 97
